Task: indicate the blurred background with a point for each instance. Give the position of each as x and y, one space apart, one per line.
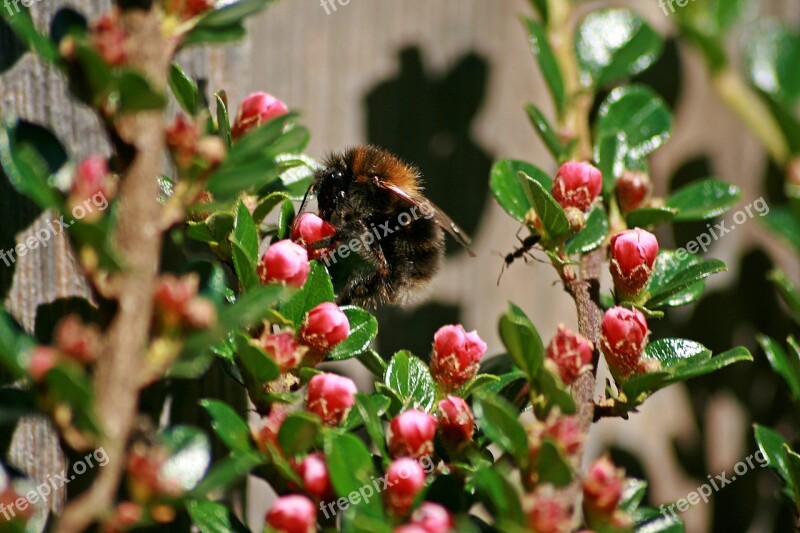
442 84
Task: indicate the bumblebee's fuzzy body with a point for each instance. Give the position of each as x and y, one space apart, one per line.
367 190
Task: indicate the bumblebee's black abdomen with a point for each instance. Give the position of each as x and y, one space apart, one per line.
417 252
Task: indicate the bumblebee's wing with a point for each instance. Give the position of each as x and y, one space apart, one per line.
439 216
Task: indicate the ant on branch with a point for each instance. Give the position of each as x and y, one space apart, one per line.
524 250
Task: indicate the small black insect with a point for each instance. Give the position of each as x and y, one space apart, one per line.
526 245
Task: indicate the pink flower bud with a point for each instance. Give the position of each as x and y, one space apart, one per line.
293 514
308 229
633 254
284 262
109 38
410 528
172 296
577 184
314 472
324 327
456 422
624 337
270 427
433 518
182 137
406 479
76 340
571 353
92 178
41 360
330 397
255 110
550 515
284 349
200 313
411 433
566 431
455 356
632 189
602 488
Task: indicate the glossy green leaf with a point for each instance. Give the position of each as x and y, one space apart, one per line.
499 496
184 89
672 351
244 245
507 189
15 346
228 425
550 213
785 364
285 219
546 132
370 407
612 44
609 154
552 393
784 222
772 445
591 236
666 286
772 56
255 360
499 422
317 289
350 468
537 39
189 456
650 216
640 114
232 13
363 330
298 433
214 517
668 264
475 384
787 290
411 379
522 341
223 118
703 200
552 465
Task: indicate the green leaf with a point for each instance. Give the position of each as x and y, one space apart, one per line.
184 89
228 425
213 517
522 341
285 219
551 214
136 94
772 56
15 346
244 248
668 265
228 471
665 287
317 289
370 407
640 114
671 351
703 200
772 445
650 216
411 380
499 496
553 393
255 360
189 456
507 189
789 293
363 330
29 155
788 366
609 154
22 24
223 118
591 236
350 469
546 132
537 39
475 384
298 433
612 44
784 222
218 35
233 13
552 465
499 422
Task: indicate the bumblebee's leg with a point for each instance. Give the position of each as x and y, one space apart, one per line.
368 290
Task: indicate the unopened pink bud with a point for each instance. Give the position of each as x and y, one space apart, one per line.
293 514
324 327
602 488
255 110
571 353
550 515
406 479
577 184
433 518
456 355
330 397
566 432
632 189
314 472
77 340
284 262
411 433
42 359
109 38
624 337
284 349
456 422
633 254
308 229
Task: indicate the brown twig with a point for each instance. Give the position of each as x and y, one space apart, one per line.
138 240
